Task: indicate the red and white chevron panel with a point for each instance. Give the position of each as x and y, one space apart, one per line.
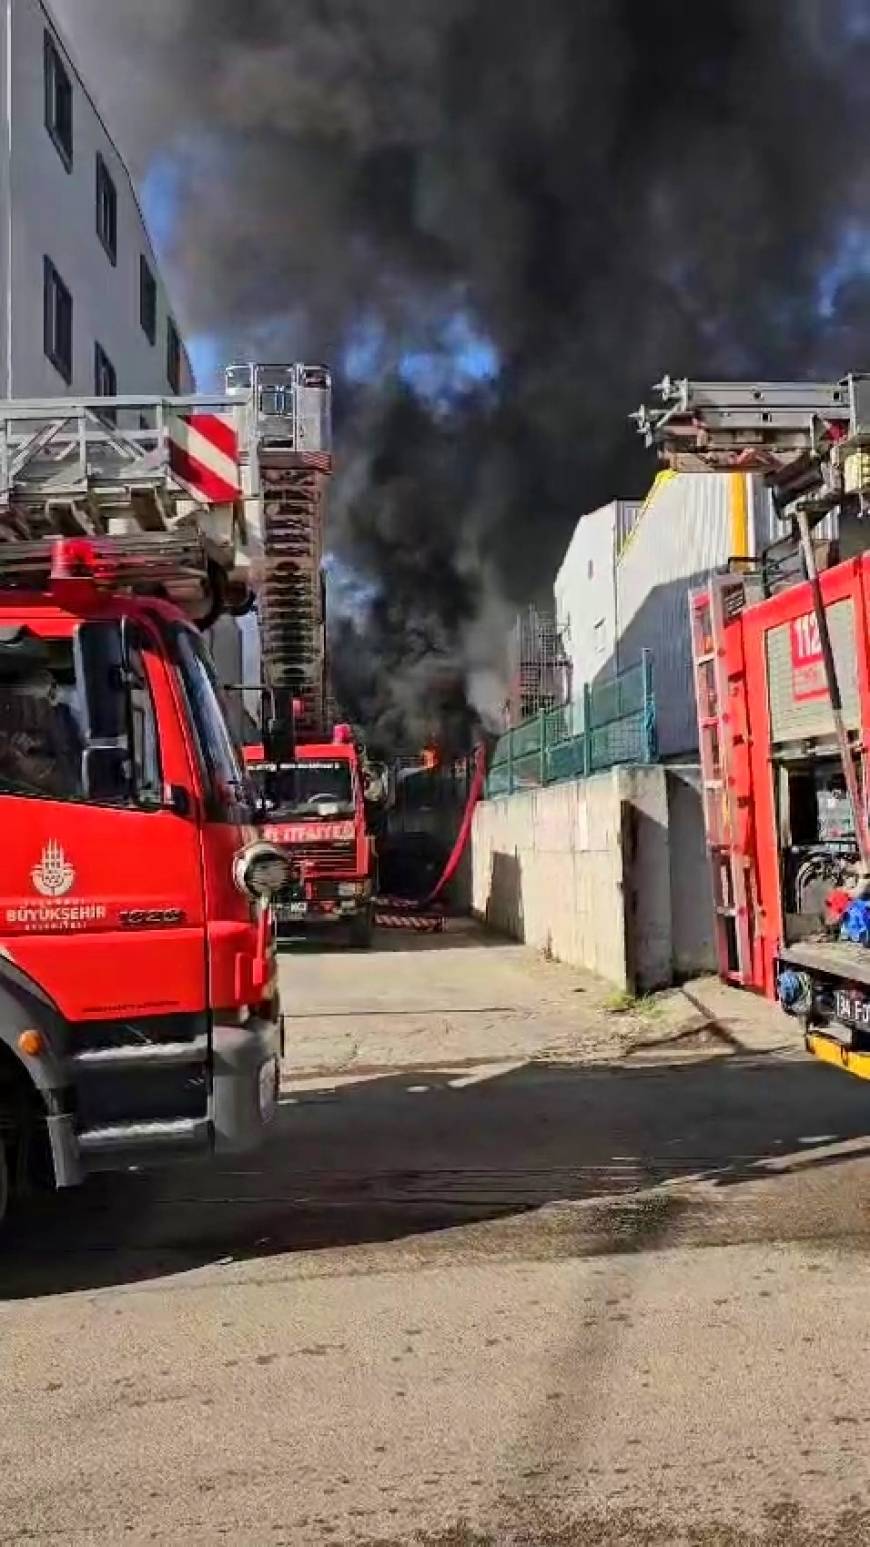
204 454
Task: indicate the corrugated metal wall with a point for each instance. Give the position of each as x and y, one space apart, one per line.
684 531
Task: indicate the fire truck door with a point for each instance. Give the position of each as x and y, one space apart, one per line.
101 890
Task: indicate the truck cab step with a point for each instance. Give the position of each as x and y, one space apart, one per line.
168 1133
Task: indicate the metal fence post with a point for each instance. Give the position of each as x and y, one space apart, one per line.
649 708
510 761
587 730
542 746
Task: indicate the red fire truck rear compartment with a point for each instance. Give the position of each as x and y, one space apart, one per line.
780 833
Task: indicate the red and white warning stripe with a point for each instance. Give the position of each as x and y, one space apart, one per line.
204 454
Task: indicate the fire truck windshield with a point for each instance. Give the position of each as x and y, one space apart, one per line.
303 787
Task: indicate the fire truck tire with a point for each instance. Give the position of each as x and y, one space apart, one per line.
362 930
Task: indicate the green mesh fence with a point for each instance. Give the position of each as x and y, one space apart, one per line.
614 724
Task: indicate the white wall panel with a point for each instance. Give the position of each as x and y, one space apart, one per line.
53 214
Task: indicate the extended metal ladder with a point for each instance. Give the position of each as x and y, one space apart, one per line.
290 409
722 740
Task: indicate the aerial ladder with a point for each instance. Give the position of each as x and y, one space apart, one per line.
232 483
810 441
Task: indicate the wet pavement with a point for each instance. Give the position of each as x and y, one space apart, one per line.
501 1275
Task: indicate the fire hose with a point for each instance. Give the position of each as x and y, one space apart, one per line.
403 913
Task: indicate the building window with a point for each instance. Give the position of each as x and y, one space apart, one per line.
105 378
58 102
590 570
57 321
147 301
173 356
107 210
599 636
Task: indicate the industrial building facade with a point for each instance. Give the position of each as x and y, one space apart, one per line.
83 308
623 585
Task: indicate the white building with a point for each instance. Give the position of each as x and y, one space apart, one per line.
82 306
623 585
585 592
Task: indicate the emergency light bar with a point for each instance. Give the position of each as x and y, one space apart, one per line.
110 562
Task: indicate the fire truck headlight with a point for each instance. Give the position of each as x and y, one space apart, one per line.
261 870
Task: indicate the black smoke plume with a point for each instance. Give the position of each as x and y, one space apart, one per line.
600 189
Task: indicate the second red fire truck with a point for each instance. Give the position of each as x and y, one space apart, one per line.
315 811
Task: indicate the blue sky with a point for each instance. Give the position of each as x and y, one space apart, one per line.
851 261
160 193
461 357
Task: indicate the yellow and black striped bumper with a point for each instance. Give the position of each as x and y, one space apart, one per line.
831 1052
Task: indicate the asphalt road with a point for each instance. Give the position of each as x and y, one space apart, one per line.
482 1287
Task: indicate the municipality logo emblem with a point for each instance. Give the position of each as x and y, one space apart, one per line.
54 875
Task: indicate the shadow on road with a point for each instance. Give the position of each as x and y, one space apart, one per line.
413 1153
459 934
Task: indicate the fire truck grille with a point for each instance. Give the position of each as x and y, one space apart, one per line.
327 856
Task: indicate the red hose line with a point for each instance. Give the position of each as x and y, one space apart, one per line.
464 833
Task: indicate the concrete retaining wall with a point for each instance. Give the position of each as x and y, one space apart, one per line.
607 873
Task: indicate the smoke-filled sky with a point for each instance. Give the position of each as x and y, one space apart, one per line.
500 221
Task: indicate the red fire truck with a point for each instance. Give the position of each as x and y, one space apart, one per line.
315 810
782 676
139 1009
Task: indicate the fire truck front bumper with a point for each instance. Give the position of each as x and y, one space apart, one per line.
238 1071
326 900
114 1094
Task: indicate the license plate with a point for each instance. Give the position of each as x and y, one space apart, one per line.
291 910
852 1009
